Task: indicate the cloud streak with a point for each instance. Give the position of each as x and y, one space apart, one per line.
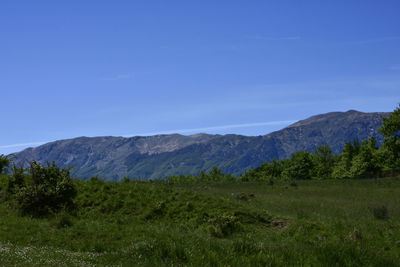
23 145
178 131
213 128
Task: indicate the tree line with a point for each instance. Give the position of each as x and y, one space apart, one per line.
357 160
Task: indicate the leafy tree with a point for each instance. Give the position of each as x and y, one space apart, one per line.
16 180
391 125
323 161
366 162
343 165
4 163
273 169
44 189
299 166
391 146
267 171
203 176
216 174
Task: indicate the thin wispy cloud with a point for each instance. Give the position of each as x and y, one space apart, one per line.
178 131
216 128
23 145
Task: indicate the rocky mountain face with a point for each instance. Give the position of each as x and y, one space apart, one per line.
158 156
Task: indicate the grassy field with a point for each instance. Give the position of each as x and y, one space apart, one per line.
311 223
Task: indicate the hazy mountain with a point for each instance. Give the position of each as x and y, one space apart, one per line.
162 155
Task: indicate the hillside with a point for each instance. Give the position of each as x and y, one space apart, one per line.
162 155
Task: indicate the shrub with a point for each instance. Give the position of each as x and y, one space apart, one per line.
4 163
323 161
299 166
366 163
391 130
17 180
44 190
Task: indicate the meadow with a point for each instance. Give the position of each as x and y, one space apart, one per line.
347 222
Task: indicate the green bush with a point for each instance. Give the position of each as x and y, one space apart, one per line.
323 162
43 190
16 180
299 166
365 164
391 130
4 163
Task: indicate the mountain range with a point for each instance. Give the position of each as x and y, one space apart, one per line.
152 157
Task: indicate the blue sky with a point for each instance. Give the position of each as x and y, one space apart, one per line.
94 68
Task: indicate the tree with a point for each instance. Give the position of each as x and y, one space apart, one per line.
323 161
4 163
342 167
215 174
391 146
273 169
391 125
366 163
44 189
266 172
299 166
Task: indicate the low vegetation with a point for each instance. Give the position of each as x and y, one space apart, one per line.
333 223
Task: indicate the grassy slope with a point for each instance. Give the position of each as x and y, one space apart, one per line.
316 223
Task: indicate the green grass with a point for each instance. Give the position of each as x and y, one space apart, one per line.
316 223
